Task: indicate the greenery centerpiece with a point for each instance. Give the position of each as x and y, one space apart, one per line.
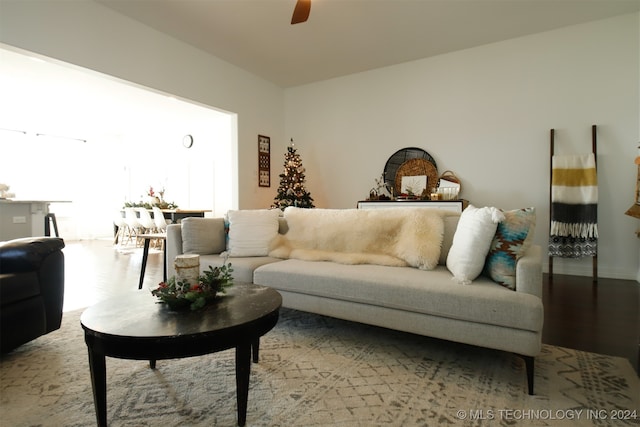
151 199
180 294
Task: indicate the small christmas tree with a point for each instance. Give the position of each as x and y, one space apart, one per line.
291 191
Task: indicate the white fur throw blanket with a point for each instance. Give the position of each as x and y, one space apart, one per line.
393 237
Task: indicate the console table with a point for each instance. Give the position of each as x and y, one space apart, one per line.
451 205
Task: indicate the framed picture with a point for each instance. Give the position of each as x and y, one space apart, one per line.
264 161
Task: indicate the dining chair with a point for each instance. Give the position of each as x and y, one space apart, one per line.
134 227
161 225
121 224
159 219
145 219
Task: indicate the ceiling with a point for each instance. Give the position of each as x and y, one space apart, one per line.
343 37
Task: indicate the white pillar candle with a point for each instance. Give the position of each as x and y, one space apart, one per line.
187 268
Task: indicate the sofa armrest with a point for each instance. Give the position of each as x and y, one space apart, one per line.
174 246
51 276
31 288
529 272
27 254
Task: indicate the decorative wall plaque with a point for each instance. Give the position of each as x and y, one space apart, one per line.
264 161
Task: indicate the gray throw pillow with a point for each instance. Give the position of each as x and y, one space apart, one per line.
203 236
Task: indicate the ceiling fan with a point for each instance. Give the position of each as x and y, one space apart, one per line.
301 11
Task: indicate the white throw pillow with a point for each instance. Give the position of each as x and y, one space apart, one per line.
471 242
251 231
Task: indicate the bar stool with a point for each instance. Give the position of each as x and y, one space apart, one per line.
48 218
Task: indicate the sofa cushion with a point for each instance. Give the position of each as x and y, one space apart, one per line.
203 235
512 239
408 289
471 242
252 231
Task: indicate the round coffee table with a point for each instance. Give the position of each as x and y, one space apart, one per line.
135 326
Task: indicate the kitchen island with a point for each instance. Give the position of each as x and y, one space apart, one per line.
23 218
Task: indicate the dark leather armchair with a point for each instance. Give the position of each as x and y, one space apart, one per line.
31 289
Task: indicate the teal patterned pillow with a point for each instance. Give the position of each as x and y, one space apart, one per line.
509 244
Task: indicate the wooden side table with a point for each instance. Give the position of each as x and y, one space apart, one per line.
145 254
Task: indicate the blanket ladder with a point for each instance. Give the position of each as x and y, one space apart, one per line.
594 149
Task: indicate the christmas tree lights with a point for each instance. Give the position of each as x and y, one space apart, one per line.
292 191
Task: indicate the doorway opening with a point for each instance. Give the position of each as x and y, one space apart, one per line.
75 135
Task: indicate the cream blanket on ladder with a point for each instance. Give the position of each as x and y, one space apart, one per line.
393 237
574 196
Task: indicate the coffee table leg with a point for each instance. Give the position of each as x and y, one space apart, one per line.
243 369
98 367
256 350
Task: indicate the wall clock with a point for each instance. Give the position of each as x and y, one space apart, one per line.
187 141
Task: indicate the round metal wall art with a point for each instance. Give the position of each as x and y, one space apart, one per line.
398 158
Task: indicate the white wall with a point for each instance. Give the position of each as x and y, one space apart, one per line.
485 113
89 35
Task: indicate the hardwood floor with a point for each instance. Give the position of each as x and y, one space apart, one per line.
602 319
96 270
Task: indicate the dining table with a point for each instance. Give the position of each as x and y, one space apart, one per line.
175 215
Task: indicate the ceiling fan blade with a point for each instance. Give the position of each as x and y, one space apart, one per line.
301 11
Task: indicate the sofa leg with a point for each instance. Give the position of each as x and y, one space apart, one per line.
530 364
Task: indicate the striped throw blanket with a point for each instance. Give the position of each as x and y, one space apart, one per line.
574 206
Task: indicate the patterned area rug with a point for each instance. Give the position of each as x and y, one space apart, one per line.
318 371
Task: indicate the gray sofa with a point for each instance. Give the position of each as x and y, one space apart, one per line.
424 302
